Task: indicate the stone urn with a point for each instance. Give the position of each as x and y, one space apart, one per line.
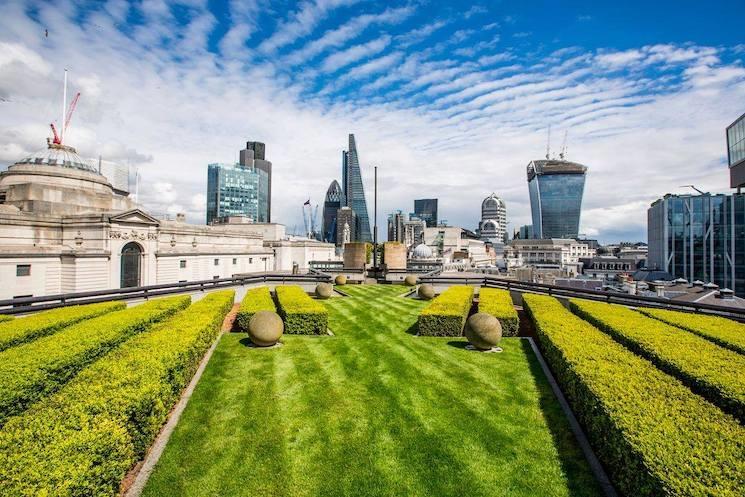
426 291
265 328
324 290
484 331
340 280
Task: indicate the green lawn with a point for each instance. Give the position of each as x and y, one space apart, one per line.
373 410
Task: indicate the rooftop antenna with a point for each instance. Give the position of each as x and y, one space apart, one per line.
563 153
548 142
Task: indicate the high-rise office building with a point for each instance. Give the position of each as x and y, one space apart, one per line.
354 191
396 227
346 225
253 158
493 225
331 205
736 153
556 188
699 237
232 190
426 210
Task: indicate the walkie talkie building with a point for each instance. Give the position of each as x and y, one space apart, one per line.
556 188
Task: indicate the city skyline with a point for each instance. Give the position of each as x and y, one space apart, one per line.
421 86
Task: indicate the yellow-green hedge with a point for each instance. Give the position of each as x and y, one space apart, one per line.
725 332
255 300
83 439
653 435
5 317
44 323
34 370
710 370
447 313
499 304
302 315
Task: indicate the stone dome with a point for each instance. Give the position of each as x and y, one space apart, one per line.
421 251
58 155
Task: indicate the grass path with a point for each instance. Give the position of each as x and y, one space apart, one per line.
373 410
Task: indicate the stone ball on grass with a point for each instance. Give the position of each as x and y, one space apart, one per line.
265 328
426 291
483 330
324 290
340 280
410 280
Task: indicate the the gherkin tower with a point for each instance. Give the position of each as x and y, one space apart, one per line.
354 191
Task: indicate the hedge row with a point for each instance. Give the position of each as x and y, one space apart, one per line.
725 332
302 315
5 317
446 314
708 369
33 370
653 435
83 439
255 300
499 304
29 328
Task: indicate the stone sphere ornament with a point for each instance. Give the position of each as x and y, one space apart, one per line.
426 291
265 328
324 290
484 331
410 280
341 280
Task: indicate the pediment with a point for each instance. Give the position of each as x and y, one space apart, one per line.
134 216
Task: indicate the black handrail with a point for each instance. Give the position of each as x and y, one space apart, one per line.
32 304
610 297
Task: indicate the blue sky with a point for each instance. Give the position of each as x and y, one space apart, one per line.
451 100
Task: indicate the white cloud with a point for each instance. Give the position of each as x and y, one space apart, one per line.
337 60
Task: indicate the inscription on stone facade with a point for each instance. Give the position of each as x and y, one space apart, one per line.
132 235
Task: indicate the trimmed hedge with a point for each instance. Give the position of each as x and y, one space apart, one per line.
447 313
499 304
83 439
29 328
255 300
708 369
722 331
302 315
5 317
36 369
653 435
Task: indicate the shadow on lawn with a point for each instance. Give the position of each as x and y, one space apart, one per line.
572 459
458 344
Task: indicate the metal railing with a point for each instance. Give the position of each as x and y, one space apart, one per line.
33 304
609 297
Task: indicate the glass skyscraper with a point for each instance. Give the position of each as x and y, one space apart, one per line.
232 190
354 192
556 188
699 237
426 210
331 205
253 158
736 152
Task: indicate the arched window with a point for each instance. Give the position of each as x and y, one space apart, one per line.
130 265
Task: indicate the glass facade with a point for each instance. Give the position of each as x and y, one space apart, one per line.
354 192
699 238
736 141
426 210
233 190
331 205
555 198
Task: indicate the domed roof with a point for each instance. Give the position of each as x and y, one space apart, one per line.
58 155
422 251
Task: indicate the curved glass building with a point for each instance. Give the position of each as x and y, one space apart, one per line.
556 188
331 205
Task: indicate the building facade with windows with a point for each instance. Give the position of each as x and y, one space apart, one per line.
736 152
396 227
556 188
493 224
699 237
426 210
333 201
232 190
354 192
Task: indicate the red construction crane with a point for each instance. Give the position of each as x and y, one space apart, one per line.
65 123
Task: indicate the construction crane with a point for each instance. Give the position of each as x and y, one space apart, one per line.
66 115
310 219
563 153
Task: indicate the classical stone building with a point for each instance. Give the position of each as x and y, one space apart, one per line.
63 228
